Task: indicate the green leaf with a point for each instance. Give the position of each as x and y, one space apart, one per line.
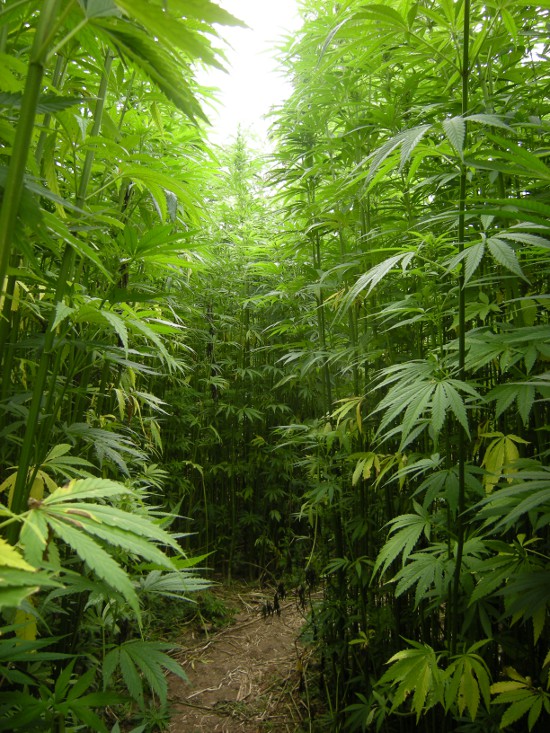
99 561
455 130
405 532
99 8
457 406
439 408
205 10
384 14
149 659
415 670
488 119
504 254
34 537
131 676
90 488
118 325
62 311
47 103
370 279
127 521
525 398
159 65
516 711
169 29
472 256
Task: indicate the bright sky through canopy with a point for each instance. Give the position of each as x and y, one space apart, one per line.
252 85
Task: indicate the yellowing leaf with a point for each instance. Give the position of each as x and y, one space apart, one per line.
508 686
9 484
501 454
37 488
9 556
26 625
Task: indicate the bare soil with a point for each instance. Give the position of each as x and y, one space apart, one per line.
247 678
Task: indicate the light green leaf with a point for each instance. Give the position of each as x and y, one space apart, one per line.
155 61
34 537
383 14
471 256
409 142
99 561
118 324
10 557
127 521
490 120
90 488
62 311
439 408
455 130
457 406
504 254
99 8
525 399
516 711
405 532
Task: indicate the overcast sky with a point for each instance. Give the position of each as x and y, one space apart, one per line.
252 85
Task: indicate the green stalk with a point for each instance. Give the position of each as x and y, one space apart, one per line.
321 325
57 80
22 483
23 134
96 127
460 529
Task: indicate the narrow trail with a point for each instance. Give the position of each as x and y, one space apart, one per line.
245 678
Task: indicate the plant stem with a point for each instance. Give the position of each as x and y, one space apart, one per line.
23 135
22 483
461 345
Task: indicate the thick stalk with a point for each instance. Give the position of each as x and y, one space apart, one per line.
22 483
460 529
321 323
96 127
23 134
57 80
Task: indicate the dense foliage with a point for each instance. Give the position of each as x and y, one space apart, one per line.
334 362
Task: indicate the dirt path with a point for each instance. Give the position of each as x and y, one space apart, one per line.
245 678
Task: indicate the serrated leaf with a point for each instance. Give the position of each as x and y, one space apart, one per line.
118 325
488 119
457 406
99 561
474 255
92 488
384 14
516 711
10 557
455 130
439 408
128 521
406 530
504 254
155 62
129 541
99 8
62 311
410 140
34 537
370 279
131 676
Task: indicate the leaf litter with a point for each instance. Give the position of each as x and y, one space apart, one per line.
247 678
